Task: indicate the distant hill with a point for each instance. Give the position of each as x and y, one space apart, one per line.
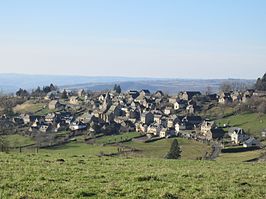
170 86
12 82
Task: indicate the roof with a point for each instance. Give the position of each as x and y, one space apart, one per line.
208 123
145 91
159 92
237 130
146 113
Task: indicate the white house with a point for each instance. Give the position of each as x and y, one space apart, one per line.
238 135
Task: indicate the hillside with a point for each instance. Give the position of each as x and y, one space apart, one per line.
253 123
56 175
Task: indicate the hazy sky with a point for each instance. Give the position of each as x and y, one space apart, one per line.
162 38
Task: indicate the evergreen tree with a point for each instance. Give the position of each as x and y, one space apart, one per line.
46 89
22 93
117 89
52 87
261 83
175 151
64 95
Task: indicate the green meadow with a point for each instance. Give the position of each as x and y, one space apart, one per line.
78 170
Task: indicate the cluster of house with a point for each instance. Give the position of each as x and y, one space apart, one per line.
238 136
52 122
153 114
238 96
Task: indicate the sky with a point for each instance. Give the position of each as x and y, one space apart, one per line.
136 38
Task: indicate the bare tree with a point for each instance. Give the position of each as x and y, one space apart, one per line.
209 90
226 87
4 144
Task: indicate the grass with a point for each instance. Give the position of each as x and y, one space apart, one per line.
74 171
19 140
60 174
218 111
240 156
44 111
29 107
33 107
116 138
252 122
190 149
80 148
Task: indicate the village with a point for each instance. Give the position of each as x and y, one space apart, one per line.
154 115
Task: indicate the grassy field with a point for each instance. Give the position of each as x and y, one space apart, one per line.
116 138
18 140
29 107
252 122
240 156
60 174
74 170
80 148
218 111
190 149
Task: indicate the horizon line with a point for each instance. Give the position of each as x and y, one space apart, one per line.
124 76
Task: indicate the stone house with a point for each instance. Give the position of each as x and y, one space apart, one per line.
86 118
171 121
50 117
190 109
158 94
147 118
180 104
225 100
145 93
188 95
77 126
154 129
194 120
74 100
177 127
236 96
45 128
212 97
206 126
165 132
237 135
173 99
53 95
214 133
127 126
168 110
55 104
134 94
81 93
140 127
113 111
157 118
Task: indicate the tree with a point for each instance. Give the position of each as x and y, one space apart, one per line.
261 83
226 87
117 88
209 90
64 95
22 93
175 151
52 87
4 145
